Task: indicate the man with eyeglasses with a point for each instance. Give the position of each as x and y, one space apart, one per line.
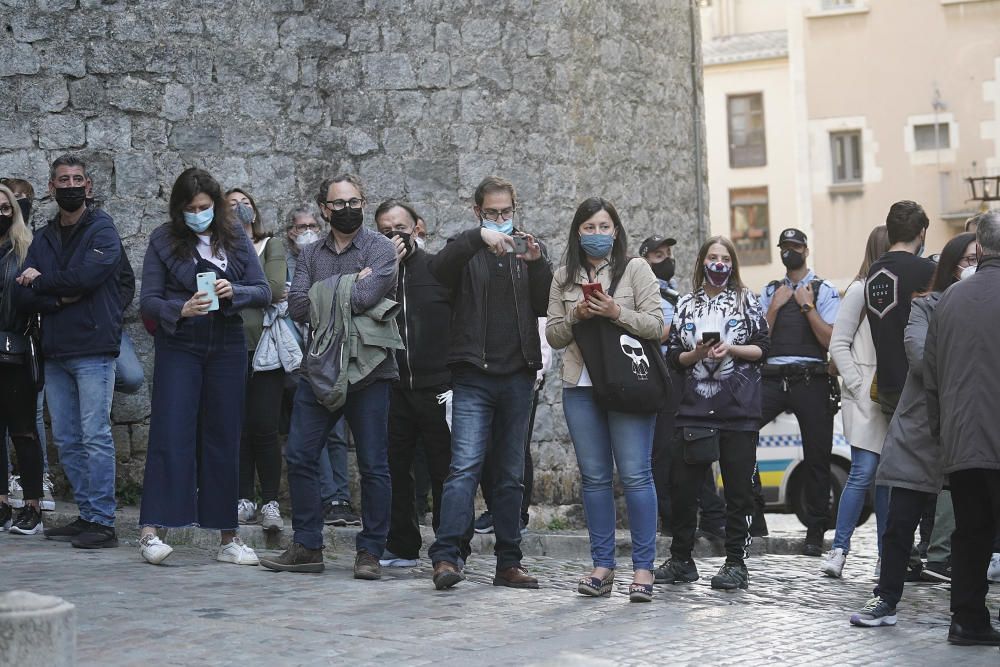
495 351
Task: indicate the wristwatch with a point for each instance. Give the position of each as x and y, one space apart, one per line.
805 308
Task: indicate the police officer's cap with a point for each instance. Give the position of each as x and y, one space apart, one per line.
654 242
792 235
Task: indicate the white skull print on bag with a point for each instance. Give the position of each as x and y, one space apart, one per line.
633 350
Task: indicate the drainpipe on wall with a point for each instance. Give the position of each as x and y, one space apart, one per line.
699 176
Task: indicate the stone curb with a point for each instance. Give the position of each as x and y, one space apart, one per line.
568 544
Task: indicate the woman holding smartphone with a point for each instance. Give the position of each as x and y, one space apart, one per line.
717 341
595 260
200 271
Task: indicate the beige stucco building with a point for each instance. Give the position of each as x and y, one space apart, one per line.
821 113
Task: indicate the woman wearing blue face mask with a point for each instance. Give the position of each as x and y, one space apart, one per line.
596 253
260 450
200 367
717 341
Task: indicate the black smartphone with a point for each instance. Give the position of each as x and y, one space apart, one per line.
711 337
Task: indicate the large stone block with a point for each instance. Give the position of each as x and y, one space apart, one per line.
196 138
61 131
41 93
17 58
135 175
388 71
131 93
109 132
17 134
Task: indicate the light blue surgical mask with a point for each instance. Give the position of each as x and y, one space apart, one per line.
597 245
199 222
502 226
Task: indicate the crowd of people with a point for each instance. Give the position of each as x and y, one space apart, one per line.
349 323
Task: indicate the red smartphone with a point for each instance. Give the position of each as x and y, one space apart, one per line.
590 288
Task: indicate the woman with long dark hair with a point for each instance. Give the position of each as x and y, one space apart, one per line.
853 353
718 340
200 367
910 465
260 450
596 252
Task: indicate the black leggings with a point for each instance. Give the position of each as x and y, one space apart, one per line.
259 446
905 509
17 417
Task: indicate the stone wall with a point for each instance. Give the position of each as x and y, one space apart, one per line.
422 98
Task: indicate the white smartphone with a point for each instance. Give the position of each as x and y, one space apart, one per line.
206 283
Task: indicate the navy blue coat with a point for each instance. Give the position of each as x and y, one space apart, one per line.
168 281
87 267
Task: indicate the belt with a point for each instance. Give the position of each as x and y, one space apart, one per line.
794 370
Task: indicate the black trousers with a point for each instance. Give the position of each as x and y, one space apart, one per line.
975 495
17 417
713 509
905 509
738 460
486 481
415 416
260 449
809 401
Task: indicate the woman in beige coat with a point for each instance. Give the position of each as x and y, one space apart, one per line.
865 425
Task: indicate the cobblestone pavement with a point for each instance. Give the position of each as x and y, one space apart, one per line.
195 611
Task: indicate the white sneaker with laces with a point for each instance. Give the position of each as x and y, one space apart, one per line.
237 553
153 550
993 571
390 559
270 516
15 495
48 503
833 563
246 511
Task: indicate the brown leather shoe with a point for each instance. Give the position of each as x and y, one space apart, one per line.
446 575
366 566
515 576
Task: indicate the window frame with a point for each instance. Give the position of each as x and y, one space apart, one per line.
850 151
747 155
754 246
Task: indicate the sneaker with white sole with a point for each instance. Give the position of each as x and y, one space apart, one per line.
270 516
874 614
6 516
390 559
48 503
833 563
237 553
246 511
153 550
993 570
27 522
15 494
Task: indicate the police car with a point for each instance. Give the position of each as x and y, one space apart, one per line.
780 458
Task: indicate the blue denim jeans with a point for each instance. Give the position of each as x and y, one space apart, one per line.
79 392
599 437
863 466
334 484
128 369
366 411
489 413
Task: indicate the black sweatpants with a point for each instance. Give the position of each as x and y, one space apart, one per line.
905 509
738 460
260 449
975 495
809 400
415 416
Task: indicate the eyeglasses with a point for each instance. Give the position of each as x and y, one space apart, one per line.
970 260
311 227
340 204
6 209
493 214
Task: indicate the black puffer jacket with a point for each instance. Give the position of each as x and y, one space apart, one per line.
463 267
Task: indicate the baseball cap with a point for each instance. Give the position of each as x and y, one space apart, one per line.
793 235
654 242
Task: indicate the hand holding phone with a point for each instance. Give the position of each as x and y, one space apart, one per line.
590 288
711 338
206 284
520 245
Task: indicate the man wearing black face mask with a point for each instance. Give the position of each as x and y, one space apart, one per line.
416 415
801 309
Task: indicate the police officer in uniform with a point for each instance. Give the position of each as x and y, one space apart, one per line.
801 309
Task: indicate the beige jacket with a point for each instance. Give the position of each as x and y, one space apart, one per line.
638 294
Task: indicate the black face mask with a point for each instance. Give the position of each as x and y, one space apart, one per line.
792 260
5 222
25 205
407 241
664 270
347 220
71 199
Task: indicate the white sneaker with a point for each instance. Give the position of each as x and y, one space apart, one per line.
878 569
270 516
15 495
993 571
833 563
48 503
237 553
246 511
390 559
153 550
